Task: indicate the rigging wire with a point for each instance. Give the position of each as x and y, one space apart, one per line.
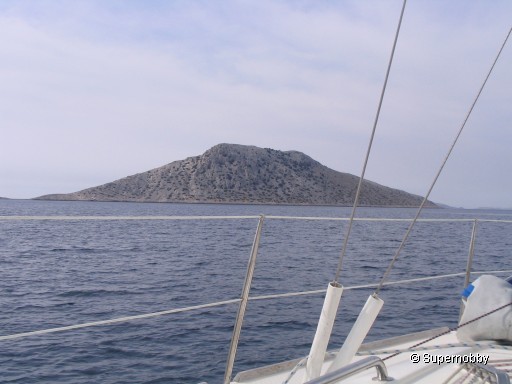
452 329
359 185
425 199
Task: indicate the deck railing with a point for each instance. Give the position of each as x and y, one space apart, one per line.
245 295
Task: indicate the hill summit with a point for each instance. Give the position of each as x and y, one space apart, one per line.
231 173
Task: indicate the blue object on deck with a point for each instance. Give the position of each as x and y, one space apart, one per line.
467 291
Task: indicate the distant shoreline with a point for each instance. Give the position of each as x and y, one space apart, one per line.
240 203
438 206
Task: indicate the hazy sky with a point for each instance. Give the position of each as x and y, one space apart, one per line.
92 91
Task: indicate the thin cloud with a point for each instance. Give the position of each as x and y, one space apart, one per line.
101 90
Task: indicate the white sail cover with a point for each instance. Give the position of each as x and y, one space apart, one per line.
484 295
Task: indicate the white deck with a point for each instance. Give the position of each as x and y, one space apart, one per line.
401 368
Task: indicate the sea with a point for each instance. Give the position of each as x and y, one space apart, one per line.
57 273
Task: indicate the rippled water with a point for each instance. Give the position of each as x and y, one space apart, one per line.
57 273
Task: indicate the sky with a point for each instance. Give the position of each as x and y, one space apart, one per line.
93 91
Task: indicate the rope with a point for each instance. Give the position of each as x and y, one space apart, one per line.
362 286
117 320
488 345
457 371
251 298
302 363
452 329
298 218
292 373
108 218
358 192
425 199
470 374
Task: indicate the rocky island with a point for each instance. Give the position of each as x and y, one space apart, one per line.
231 173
